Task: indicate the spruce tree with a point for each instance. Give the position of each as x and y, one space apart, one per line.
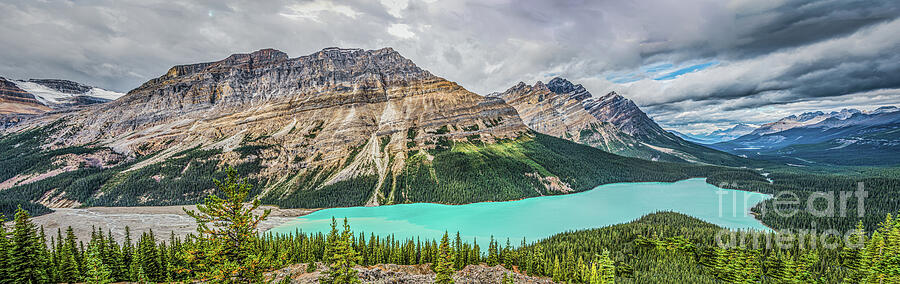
343 259
71 266
606 270
129 271
444 263
4 254
24 254
331 241
493 258
97 271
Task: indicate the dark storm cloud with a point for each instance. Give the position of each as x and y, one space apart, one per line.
769 52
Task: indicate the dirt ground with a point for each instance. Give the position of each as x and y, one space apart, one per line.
163 220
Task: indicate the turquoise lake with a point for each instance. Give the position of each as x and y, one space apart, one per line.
541 217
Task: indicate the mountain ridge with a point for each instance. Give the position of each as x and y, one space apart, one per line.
833 138
610 122
339 127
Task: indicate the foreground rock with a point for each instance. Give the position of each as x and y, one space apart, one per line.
393 273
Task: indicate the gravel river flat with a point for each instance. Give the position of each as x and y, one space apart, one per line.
163 220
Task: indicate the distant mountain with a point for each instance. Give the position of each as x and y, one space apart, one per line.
14 100
717 136
691 137
610 122
846 137
339 127
35 96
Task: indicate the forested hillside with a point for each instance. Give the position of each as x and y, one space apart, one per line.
657 248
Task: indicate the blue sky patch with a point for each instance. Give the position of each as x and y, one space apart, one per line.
685 70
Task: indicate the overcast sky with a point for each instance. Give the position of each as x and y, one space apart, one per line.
692 65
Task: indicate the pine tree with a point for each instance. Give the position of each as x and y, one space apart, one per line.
114 259
343 260
474 254
459 258
129 270
509 256
493 258
331 241
605 270
149 257
558 274
444 263
24 253
45 257
229 228
97 272
4 254
70 270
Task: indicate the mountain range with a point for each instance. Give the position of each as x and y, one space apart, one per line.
23 98
846 137
339 127
34 96
610 122
720 135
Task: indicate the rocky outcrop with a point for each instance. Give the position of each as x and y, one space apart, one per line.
393 273
611 122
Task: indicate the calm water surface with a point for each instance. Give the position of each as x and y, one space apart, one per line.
541 217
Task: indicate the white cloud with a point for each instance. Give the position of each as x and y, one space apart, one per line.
772 53
312 10
401 31
395 7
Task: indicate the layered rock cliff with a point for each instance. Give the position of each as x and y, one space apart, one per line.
610 122
14 100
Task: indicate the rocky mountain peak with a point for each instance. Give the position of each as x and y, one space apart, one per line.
885 109
612 107
559 85
255 59
610 122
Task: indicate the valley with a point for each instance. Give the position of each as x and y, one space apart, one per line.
455 141
336 128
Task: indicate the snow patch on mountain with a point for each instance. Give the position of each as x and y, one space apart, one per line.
49 96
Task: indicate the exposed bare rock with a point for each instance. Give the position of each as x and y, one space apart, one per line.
412 274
